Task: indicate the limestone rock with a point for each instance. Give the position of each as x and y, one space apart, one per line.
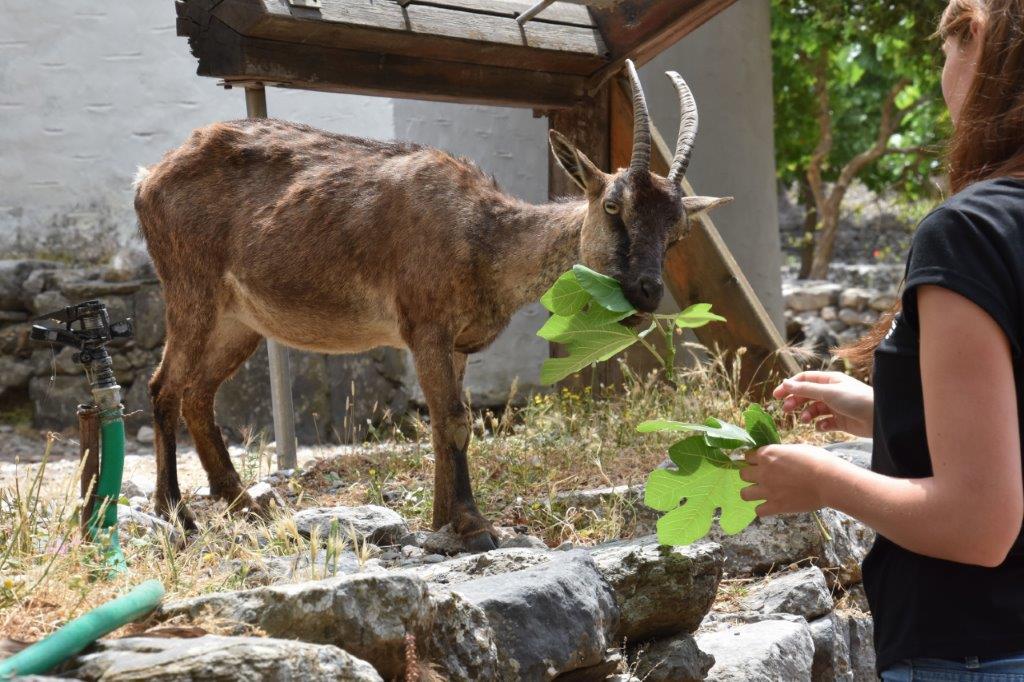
782 540
831 635
145 435
549 619
855 297
13 274
367 614
764 651
522 540
264 495
862 648
677 659
473 566
14 373
54 402
461 642
660 591
47 302
883 302
160 659
807 295
133 522
443 541
379 525
148 320
802 593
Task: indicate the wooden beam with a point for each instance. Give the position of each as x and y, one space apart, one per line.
223 53
422 31
700 268
641 29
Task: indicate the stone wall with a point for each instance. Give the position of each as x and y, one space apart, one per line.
823 314
49 384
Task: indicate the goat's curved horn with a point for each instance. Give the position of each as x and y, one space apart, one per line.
641 159
687 128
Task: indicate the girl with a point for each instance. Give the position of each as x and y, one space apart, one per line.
945 577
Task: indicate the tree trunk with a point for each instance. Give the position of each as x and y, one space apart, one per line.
826 241
810 226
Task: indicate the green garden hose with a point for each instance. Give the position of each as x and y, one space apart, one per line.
103 524
48 653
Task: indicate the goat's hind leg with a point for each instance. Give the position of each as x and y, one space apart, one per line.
165 391
230 344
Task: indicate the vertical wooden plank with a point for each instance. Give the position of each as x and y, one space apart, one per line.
587 126
700 268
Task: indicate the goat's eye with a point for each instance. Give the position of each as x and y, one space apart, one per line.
611 207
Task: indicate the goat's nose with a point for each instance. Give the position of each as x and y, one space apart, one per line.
651 289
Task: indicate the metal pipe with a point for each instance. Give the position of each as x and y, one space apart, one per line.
280 373
534 11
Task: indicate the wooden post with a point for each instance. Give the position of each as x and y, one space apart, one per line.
587 126
280 373
700 268
89 454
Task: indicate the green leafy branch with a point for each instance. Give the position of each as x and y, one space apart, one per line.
587 309
708 478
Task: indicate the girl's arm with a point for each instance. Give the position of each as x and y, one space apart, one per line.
970 510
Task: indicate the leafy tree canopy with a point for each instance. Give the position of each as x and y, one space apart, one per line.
835 63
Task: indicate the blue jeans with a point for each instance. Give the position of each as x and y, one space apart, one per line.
1004 669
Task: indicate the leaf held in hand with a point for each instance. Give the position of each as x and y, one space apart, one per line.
760 426
702 492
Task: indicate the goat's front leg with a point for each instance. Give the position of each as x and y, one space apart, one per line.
440 370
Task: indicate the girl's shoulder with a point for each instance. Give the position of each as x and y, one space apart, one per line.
991 208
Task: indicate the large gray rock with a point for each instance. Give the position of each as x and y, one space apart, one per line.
148 321
55 401
763 651
14 372
782 540
660 591
857 451
366 389
366 614
212 658
378 525
802 593
626 501
13 274
461 642
549 619
473 566
831 635
677 659
805 295
862 648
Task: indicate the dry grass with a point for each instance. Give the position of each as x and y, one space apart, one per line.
521 461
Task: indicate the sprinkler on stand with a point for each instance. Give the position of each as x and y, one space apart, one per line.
86 327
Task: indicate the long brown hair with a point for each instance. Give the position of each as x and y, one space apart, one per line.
988 140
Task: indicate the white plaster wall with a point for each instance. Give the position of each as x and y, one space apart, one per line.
89 91
727 64
512 145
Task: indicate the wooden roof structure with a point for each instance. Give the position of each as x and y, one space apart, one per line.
471 51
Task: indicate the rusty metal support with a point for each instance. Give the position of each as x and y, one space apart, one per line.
280 373
89 455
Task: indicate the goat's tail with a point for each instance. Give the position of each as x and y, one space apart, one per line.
141 173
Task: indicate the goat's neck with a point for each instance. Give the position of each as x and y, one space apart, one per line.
538 243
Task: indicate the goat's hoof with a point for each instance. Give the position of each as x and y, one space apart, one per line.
480 541
181 516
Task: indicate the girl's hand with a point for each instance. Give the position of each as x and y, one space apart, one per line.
790 478
837 400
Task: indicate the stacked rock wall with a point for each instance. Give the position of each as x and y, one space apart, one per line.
824 314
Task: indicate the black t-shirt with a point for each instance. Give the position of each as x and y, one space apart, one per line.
923 607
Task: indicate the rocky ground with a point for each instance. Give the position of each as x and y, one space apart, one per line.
780 601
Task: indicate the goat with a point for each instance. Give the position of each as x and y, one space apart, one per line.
329 243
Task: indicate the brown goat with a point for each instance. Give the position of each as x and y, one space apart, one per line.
330 243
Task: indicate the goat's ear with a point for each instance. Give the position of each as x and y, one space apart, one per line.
574 162
698 206
695 208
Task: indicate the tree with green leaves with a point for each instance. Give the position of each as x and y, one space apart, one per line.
857 97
